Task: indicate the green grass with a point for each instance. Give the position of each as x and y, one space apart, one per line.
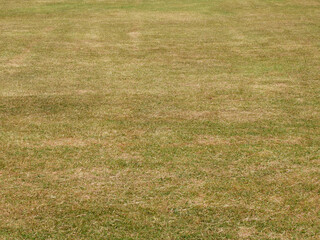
159 119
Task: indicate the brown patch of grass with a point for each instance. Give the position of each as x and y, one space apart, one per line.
234 140
213 140
134 35
19 60
72 142
245 232
178 17
237 115
274 87
27 93
129 156
186 115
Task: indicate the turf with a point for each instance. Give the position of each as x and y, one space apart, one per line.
159 119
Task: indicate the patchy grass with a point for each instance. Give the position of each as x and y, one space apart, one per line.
169 119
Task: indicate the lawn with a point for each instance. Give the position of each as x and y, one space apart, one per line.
159 119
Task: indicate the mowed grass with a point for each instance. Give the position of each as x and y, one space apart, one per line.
159 119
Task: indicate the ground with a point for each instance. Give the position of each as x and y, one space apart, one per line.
159 119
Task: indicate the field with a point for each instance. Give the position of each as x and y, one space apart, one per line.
159 119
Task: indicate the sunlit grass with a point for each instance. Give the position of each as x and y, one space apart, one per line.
180 119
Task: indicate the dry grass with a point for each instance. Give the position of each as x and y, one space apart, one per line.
182 119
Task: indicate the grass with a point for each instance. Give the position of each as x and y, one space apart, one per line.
159 119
